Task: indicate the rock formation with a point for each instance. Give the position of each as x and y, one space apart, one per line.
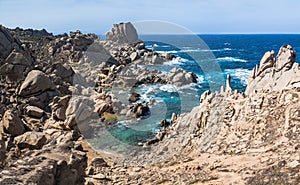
15 60
262 125
123 33
53 95
275 73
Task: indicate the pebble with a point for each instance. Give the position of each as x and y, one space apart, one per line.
294 164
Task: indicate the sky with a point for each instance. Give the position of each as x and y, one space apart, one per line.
198 16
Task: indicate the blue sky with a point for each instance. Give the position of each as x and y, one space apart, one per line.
199 16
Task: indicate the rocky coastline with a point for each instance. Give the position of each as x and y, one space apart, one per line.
53 88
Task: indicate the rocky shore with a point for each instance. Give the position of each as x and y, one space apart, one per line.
54 90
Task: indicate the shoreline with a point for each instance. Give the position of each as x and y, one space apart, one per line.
231 137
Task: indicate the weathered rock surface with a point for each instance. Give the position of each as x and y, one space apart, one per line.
179 77
15 60
262 126
131 76
35 82
138 110
123 33
55 162
134 97
34 111
31 140
275 73
12 123
29 152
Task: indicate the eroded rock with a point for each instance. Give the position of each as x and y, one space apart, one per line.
275 73
35 82
12 123
123 33
34 111
32 140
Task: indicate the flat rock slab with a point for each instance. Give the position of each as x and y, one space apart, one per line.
34 111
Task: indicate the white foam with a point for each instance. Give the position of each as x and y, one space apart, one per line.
190 50
168 88
242 74
176 61
172 51
200 79
231 59
146 90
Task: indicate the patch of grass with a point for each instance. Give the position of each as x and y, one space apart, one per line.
110 118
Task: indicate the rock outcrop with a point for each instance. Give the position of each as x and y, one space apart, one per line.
179 77
12 123
138 110
261 125
275 73
32 93
35 82
15 60
123 33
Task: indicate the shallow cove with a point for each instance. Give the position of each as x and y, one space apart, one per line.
237 55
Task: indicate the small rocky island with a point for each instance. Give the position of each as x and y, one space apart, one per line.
53 88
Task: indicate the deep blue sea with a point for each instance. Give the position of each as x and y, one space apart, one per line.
211 58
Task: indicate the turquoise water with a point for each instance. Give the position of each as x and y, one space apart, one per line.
211 58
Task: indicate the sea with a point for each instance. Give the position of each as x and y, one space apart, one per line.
211 58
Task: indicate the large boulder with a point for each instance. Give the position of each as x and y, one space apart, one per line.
15 61
32 140
134 97
78 111
62 72
59 107
179 77
35 82
275 73
12 123
103 106
13 73
138 110
123 33
6 41
18 58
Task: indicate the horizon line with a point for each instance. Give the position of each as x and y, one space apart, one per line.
196 33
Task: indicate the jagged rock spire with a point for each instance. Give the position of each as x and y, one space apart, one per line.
228 88
275 73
